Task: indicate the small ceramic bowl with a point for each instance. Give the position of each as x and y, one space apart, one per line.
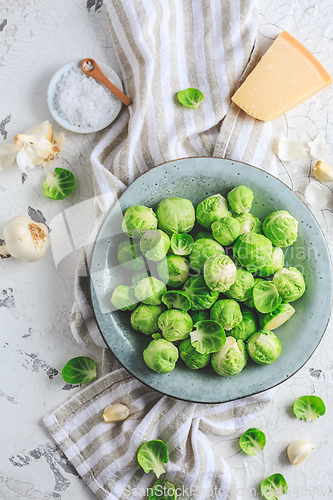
108 72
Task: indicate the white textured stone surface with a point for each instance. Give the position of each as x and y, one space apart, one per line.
36 299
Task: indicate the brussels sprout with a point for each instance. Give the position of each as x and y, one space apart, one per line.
191 98
137 220
152 455
155 244
248 223
273 487
252 441
175 324
203 234
240 199
208 336
274 264
199 315
161 356
231 359
173 270
226 312
281 228
266 298
202 249
211 209
175 215
219 272
144 318
123 298
249 302
177 299
263 347
241 289
246 327
150 291
226 230
145 273
289 283
309 408
253 251
181 244
200 295
191 357
277 317
60 184
163 490
129 256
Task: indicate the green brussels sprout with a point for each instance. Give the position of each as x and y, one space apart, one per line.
207 336
266 298
203 234
182 244
191 357
240 199
275 264
154 244
175 324
219 272
289 283
199 315
173 270
252 441
145 273
202 249
150 291
200 295
152 455
226 312
231 359
191 98
59 185
211 209
263 347
161 356
144 318
177 299
241 289
249 302
309 408
226 230
129 256
123 298
277 317
273 487
137 220
163 490
246 327
248 223
281 228
253 251
175 215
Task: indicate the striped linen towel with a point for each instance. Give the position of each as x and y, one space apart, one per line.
163 46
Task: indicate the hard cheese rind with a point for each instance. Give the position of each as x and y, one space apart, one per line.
286 75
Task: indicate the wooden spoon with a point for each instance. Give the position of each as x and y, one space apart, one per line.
90 67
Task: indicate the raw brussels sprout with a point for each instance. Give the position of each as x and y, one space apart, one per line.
289 283
263 347
181 244
309 408
252 441
161 355
240 199
163 490
249 302
200 295
137 220
253 251
191 357
202 249
281 228
231 359
277 317
199 315
241 289
219 272
226 312
144 318
248 223
203 234
275 264
266 298
155 244
123 298
59 185
211 209
150 291
208 336
129 256
177 299
175 324
226 230
175 215
273 487
246 327
173 270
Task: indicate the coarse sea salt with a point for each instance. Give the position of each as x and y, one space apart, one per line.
83 101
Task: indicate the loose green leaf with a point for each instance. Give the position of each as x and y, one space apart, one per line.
177 299
273 487
208 336
163 490
79 370
266 298
252 441
191 98
60 184
181 244
152 455
309 408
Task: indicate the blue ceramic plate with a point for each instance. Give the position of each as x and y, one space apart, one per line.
196 179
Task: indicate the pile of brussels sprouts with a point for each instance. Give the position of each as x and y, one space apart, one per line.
210 298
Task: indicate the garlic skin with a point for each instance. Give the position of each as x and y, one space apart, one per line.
317 148
323 172
315 195
287 150
115 413
298 450
25 239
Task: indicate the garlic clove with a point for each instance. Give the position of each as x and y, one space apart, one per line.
288 150
323 172
115 413
315 195
299 450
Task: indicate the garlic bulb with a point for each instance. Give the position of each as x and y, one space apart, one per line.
25 239
299 450
115 413
323 172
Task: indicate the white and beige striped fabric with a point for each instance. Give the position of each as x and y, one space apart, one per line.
163 46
